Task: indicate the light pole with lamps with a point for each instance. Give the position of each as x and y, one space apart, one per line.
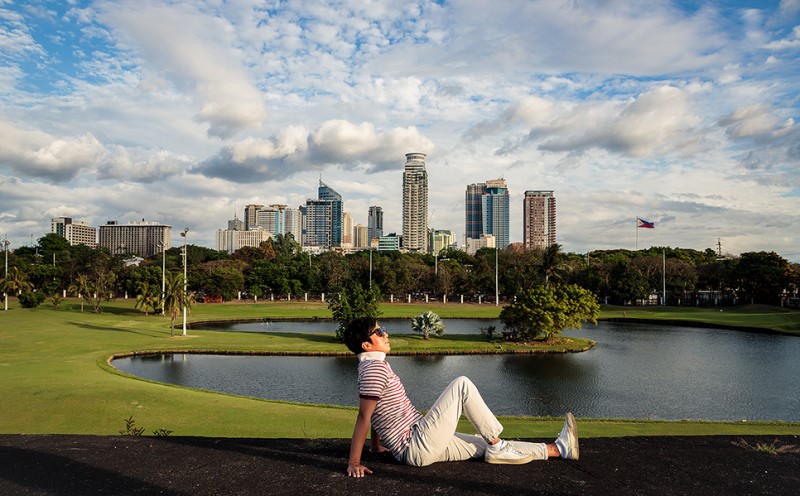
5 295
496 277
163 273
184 235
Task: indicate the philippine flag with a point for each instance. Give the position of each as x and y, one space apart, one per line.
645 224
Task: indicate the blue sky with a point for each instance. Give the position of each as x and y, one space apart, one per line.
682 113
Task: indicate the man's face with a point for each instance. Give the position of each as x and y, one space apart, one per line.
378 340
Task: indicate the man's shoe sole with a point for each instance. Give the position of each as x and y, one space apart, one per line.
575 450
515 461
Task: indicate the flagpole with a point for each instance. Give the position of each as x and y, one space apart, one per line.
663 277
636 228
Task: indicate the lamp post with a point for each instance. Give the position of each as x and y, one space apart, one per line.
370 267
5 295
184 235
496 277
163 273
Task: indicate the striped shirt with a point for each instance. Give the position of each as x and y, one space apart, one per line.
394 414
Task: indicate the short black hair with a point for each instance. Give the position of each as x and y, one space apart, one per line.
357 332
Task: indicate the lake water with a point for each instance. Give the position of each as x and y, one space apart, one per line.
635 371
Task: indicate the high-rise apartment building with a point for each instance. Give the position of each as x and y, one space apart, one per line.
75 231
267 219
375 222
232 240
236 224
250 212
323 219
139 238
539 219
347 229
487 211
415 203
361 237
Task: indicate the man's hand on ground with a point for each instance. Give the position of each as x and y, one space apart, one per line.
357 470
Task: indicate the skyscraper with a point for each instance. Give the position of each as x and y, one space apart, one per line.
375 222
323 218
539 219
487 211
415 203
474 216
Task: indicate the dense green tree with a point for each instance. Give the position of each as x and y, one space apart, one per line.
351 303
224 278
763 276
546 311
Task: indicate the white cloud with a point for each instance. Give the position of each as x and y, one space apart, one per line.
37 154
198 52
296 149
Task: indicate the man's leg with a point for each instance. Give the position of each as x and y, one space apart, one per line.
434 437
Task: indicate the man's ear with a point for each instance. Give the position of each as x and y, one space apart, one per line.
366 345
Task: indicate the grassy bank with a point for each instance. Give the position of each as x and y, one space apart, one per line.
54 377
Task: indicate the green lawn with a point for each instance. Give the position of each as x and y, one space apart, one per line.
54 376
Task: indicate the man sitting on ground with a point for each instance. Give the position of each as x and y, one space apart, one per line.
420 440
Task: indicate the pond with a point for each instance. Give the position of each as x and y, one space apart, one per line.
635 371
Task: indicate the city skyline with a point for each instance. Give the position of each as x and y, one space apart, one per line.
680 112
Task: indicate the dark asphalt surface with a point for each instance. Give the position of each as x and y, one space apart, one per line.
124 465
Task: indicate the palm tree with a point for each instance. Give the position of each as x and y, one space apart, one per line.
148 297
553 264
16 282
81 287
427 323
175 298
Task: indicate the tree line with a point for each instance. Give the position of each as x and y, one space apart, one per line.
280 269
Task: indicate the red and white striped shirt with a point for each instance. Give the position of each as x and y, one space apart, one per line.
394 414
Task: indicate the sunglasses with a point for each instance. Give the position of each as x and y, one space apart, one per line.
379 331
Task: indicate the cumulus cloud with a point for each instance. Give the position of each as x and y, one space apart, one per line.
297 149
196 51
658 122
37 154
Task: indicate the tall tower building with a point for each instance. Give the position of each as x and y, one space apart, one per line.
375 222
323 218
347 229
539 219
494 211
487 211
474 216
415 203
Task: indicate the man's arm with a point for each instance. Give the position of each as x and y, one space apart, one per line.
375 442
365 408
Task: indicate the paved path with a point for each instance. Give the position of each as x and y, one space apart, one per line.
85 465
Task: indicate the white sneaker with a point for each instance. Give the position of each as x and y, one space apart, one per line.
506 455
567 441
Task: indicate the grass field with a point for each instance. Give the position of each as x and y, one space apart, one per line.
54 375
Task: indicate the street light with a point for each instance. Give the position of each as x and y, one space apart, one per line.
163 273
370 267
184 235
496 277
5 295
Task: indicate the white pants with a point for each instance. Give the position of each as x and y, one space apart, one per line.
434 437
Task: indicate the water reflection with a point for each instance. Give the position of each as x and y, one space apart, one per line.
635 371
